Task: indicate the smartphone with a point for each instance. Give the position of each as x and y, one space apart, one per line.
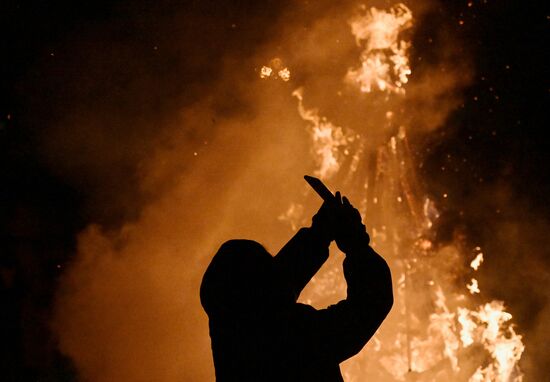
319 187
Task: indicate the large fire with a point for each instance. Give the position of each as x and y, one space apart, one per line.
354 95
438 330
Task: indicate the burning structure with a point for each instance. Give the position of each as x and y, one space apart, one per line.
436 332
338 90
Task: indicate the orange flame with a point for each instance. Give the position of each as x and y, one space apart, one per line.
384 60
420 347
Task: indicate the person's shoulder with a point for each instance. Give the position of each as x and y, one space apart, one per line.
304 308
303 313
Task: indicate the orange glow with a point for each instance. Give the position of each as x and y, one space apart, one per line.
275 70
427 345
384 60
129 302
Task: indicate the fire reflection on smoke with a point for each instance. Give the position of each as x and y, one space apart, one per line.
437 330
226 164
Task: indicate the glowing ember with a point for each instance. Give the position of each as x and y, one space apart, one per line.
384 60
284 74
477 261
275 70
265 72
473 287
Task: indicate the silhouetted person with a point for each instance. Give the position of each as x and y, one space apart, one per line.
258 330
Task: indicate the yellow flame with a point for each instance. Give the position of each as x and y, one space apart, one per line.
490 326
442 321
468 327
384 59
327 139
477 261
265 72
450 328
284 74
473 287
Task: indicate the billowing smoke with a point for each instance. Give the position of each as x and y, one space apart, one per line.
183 145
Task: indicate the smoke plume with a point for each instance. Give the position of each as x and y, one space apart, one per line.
181 146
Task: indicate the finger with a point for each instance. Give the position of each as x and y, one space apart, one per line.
338 197
346 201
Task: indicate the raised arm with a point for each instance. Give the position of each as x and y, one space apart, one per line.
300 258
340 331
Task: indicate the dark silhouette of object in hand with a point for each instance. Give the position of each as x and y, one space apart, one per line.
258 330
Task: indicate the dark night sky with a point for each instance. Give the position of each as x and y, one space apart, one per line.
43 76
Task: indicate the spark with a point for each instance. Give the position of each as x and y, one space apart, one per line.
265 72
475 264
284 74
473 287
275 70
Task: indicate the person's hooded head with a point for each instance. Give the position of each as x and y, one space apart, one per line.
240 281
